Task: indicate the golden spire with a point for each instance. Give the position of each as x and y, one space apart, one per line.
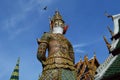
15 73
80 58
111 32
107 43
86 57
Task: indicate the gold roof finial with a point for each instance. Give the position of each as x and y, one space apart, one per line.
94 54
80 58
107 43
111 32
86 56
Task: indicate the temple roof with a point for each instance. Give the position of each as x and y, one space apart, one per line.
86 69
110 69
114 68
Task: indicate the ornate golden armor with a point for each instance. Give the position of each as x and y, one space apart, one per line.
60 52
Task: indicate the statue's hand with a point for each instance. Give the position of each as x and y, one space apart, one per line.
41 52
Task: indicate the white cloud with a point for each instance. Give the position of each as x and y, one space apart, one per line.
79 51
79 45
17 32
78 48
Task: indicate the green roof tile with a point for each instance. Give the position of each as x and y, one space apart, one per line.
114 68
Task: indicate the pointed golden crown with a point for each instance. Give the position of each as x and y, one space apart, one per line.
57 20
57 16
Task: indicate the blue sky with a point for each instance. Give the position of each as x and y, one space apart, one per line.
23 21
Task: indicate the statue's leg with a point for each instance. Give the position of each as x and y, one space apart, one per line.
52 74
68 75
58 74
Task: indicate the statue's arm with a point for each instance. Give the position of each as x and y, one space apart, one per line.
42 52
42 46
